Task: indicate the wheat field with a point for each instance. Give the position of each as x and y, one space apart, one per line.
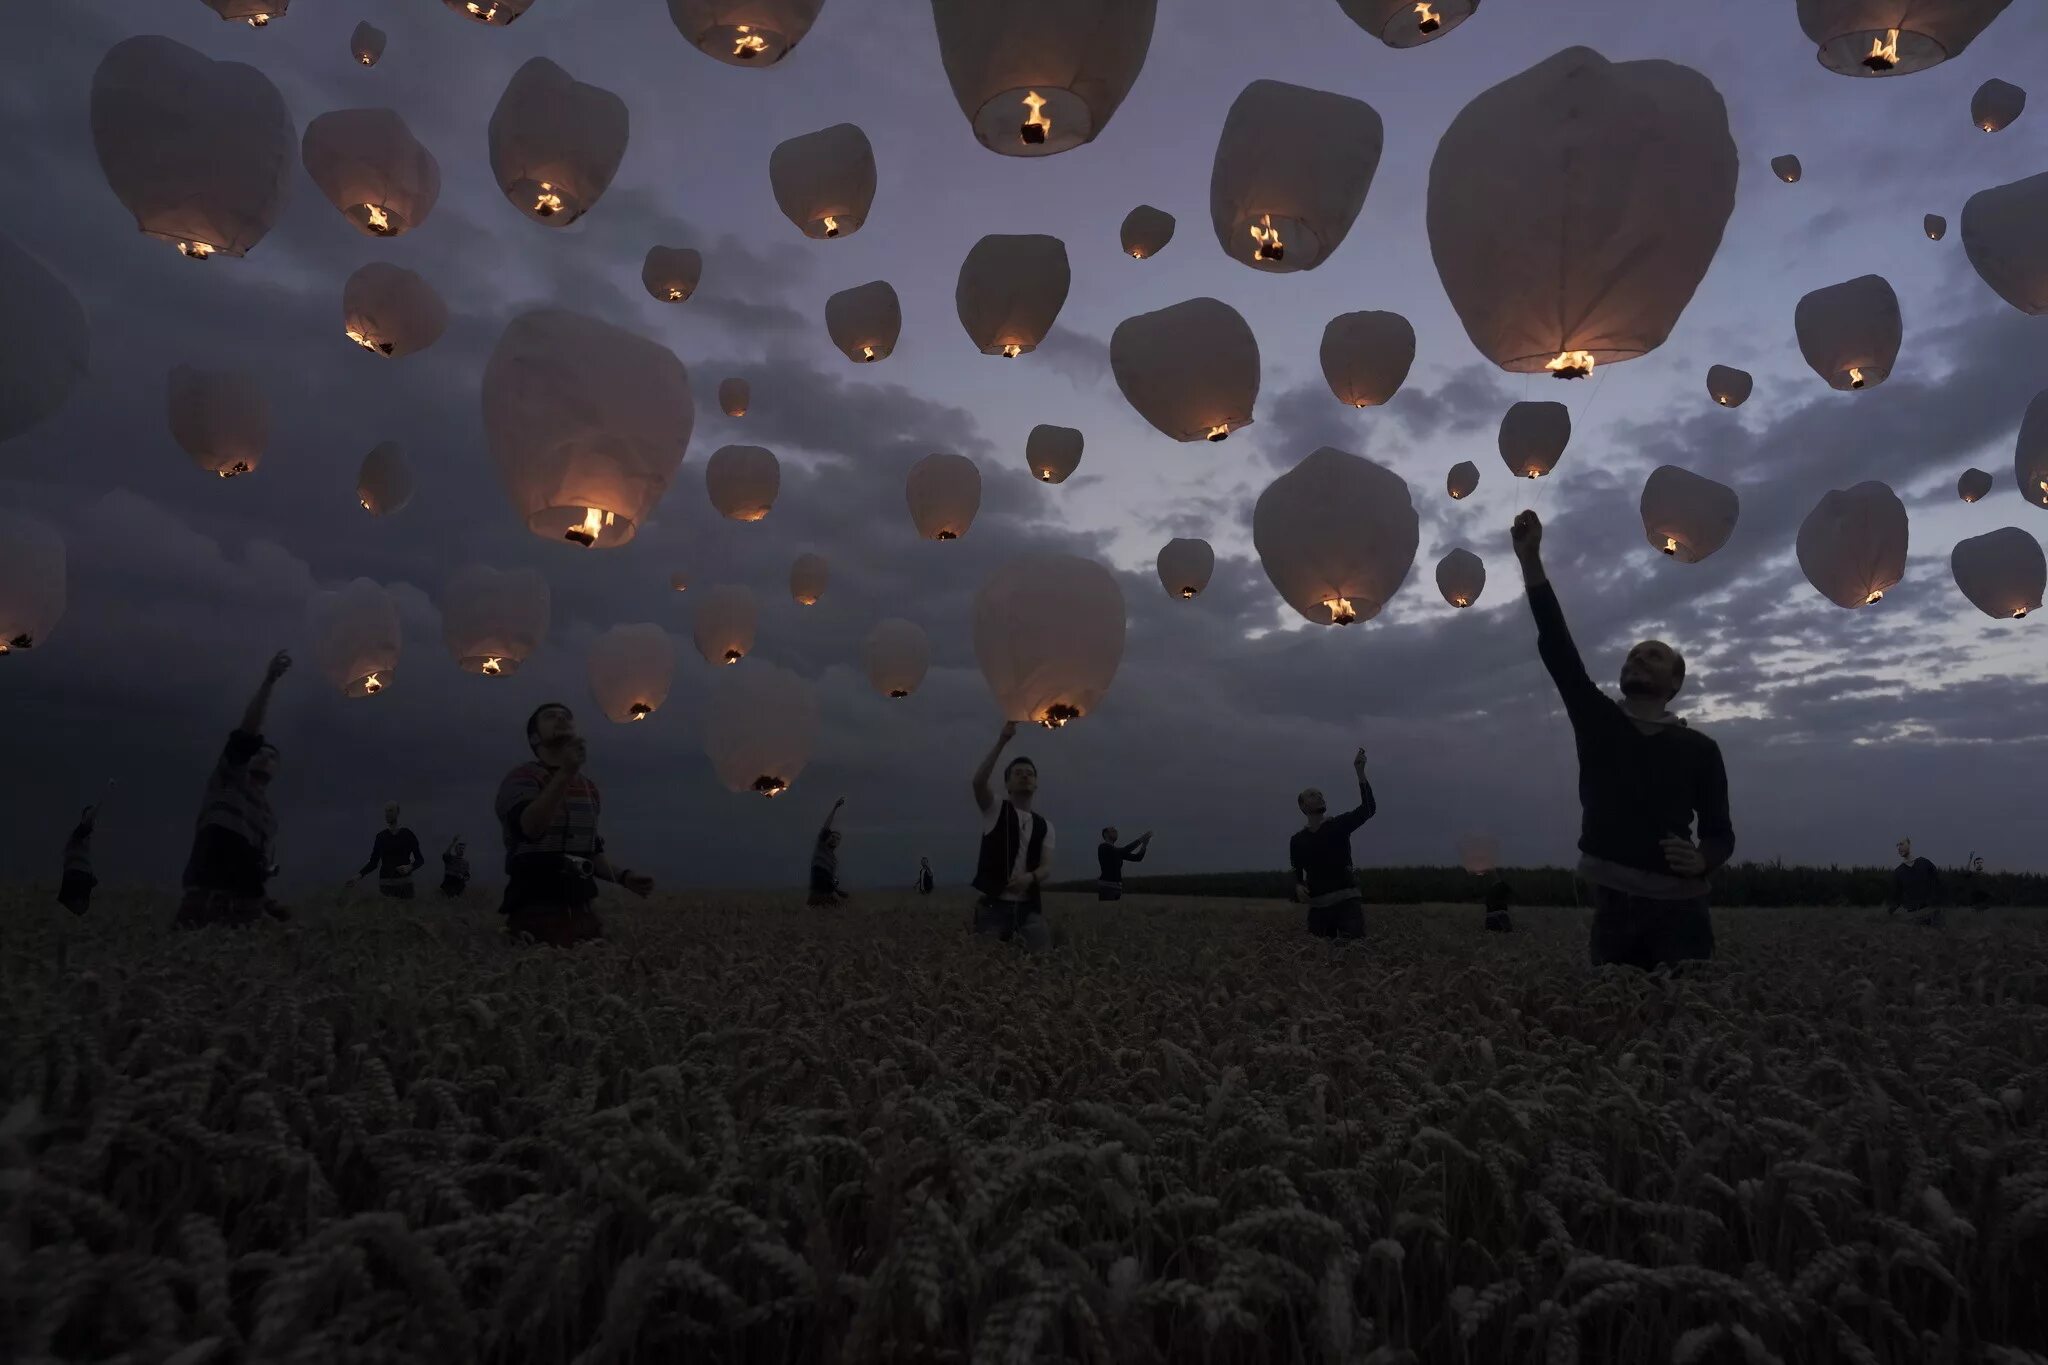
744 1131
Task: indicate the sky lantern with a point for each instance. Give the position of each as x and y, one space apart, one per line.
1291 171
1935 226
864 321
496 13
31 582
254 13
587 424
733 397
198 150
1974 485
372 169
1574 208
1408 23
1191 370
742 481
1686 515
2030 455
389 310
824 182
493 620
1010 290
1366 356
1052 453
2005 235
808 577
2002 572
671 273
724 624
1049 634
630 670
1479 854
1462 481
366 44
1996 104
384 483
1185 567
744 32
1533 437
897 655
220 418
1893 37
1461 577
45 341
1852 545
944 492
1145 232
679 581
1337 536
1729 386
759 730
1045 77
555 142
1786 168
355 637
1850 332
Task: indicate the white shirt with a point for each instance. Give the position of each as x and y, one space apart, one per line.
1021 823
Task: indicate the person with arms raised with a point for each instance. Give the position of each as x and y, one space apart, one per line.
825 888
1320 854
1110 858
232 849
1016 851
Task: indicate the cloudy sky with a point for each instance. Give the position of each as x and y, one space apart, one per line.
1842 730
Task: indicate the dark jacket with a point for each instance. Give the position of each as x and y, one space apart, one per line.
1321 857
1110 858
395 853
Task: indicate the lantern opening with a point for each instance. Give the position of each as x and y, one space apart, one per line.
371 685
378 220
1058 714
1570 364
1855 377
1036 125
1186 593
868 353
197 251
898 693
22 641
259 21
831 226
1270 247
747 44
807 601
1883 56
2018 614
586 531
492 667
1876 596
547 203
366 59
1455 496
486 13
1342 613
1461 601
380 347
1532 473
1137 253
770 786
1045 476
733 656
1670 545
1012 351
676 295
366 504
947 535
1427 20
1219 432
229 472
639 710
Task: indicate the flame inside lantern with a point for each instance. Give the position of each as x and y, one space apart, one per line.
733 656
378 220
1876 595
1855 377
372 685
1342 613
1270 247
1219 432
947 535
1427 20
1883 56
197 251
1186 593
1058 714
747 44
492 667
547 203
898 693
831 226
1012 351
868 353
1570 364
675 294
259 21
1036 127
586 532
639 710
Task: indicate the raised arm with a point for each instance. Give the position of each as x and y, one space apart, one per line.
1554 644
252 714
983 797
1134 851
830 816
1350 820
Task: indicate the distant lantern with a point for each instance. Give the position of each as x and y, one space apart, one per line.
759 730
1786 168
1935 226
1337 536
1366 356
944 492
1191 370
372 169
1043 77
733 397
1893 37
45 341
864 321
1533 437
1010 290
220 418
390 310
1852 545
2002 572
1145 232
1462 481
1974 485
496 13
742 481
630 670
1052 453
1729 386
587 424
1850 332
493 620
555 142
1185 567
679 581
1049 634
2030 454
824 182
1996 104
1574 209
897 655
384 484
2005 235
808 577
724 625
744 32
254 13
1686 515
1461 577
1479 854
31 582
199 151
671 273
1291 171
355 637
1408 23
366 44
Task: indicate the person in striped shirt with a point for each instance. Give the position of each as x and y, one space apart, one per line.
233 847
554 855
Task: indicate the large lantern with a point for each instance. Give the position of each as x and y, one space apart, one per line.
1973 486
2030 453
864 321
1996 104
808 577
1337 536
2002 572
220 418
496 13
254 13
1291 171
1786 168
355 637
744 32
1052 453
679 581
733 397
1366 356
366 44
555 142
630 670
824 182
384 483
1462 481
31 582
1852 545
1408 23
1145 232
671 273
723 628
389 310
1043 77
45 341
2005 235
759 730
1191 370
1893 37
1185 567
944 493
1049 634
1729 386
372 169
896 655
491 620
742 481
1533 437
1686 515
1011 288
1850 332
1479 854
1461 577
1935 226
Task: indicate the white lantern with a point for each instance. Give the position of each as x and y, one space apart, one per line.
1366 356
896 655
1533 437
1049 634
1573 209
45 341
199 151
587 424
1052 453
1729 386
1935 226
759 730
1462 481
724 624
1996 104
679 581
31 582
944 493
1973 486
807 579
1044 77
366 44
1852 545
1291 171
1145 232
1010 290
1686 515
742 481
1461 577
2005 235
556 143
384 484
864 321
1786 168
1478 854
372 169
496 13
671 273
1408 23
824 182
2002 572
1191 370
1185 567
218 417
733 397
744 32
1337 536
254 13
390 311
491 620
630 670
2030 454
355 637
1850 332
1893 37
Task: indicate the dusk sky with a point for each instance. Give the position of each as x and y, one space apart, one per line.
1842 730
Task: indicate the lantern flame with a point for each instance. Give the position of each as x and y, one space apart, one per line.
1045 476
733 656
1187 593
807 600
379 220
366 503
1532 473
1270 247
197 251
1012 351
947 535
868 353
1036 126
639 710
492 667
1058 714
1670 545
1883 56
831 226
366 59
1876 596
372 685
1219 432
1427 20
380 347
547 203
259 21
1570 364
898 693
747 44
586 532
238 467
675 294
1461 601
1342 613
770 786
1855 377
2019 613
488 13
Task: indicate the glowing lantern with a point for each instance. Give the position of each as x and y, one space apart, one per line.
1852 545
1685 515
371 168
45 341
1337 536
744 32
1049 634
1366 356
1052 453
679 581
1850 332
1786 168
1463 479
724 624
587 424
671 272
1573 209
31 582
198 150
1145 232
1185 567
824 182
1461 577
1290 175
2002 572
496 13
1996 104
2030 455
366 44
555 142
896 655
254 13
220 418
1935 226
2005 235
864 321
1893 37
1044 77
807 579
384 484
1973 486
1191 370
759 730
1408 23
355 637
733 397
742 481
1729 386
944 492
391 311
1010 290
491 620
1533 437
630 669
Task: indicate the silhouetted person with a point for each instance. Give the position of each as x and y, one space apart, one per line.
455 869
74 893
395 855
1499 898
1643 777
825 888
924 876
1320 854
1916 887
1973 883
1110 858
232 848
1016 851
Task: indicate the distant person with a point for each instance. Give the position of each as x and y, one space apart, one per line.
1644 775
1916 887
1016 851
1973 883
1110 859
554 856
455 869
924 876
1499 898
232 849
74 893
395 855
825 888
1320 853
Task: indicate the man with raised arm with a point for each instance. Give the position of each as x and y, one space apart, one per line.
233 846
825 888
1644 776
1016 851
1110 857
1320 853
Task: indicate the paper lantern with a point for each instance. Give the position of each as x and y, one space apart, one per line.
1729 386
2002 572
1010 290
1290 175
31 582
1850 332
1973 486
1686 515
1045 77
1478 854
1786 168
1574 209
1461 577
366 44
1462 481
1996 104
1052 453
1185 567
254 13
1145 232
2030 454
896 655
807 579
1049 634
198 150
1408 23
1852 545
630 670
864 321
555 142
944 492
389 310
220 418
1366 356
1191 370
493 620
724 624
733 397
1533 437
1893 37
671 273
496 13
45 341
1935 226
824 182
372 169
587 424
744 32
742 481
2005 235
384 484
759 730
355 637
1337 536
679 581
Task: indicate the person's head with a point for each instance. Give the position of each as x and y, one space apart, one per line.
1109 834
263 766
391 814
830 838
1653 671
1020 778
924 862
550 723
1905 847
458 846
1312 803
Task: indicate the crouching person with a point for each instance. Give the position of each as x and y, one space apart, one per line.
554 855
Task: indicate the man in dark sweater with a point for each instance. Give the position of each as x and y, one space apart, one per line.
1916 887
395 855
234 845
1499 898
1320 853
74 893
1016 851
1110 858
1643 777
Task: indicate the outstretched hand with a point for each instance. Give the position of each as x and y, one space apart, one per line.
1527 534
1009 731
280 664
1358 761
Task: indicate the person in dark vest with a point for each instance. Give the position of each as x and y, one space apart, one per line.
75 892
825 888
395 855
1110 858
1916 888
1499 897
233 847
455 869
1016 851
1320 854
924 876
